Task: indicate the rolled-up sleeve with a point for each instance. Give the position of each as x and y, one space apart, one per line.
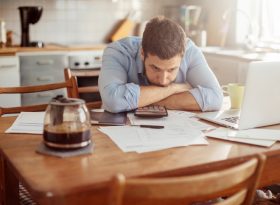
117 94
206 89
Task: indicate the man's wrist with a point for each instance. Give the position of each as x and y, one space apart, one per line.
173 89
178 88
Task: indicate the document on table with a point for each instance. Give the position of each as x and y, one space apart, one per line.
260 137
174 118
130 138
28 122
261 134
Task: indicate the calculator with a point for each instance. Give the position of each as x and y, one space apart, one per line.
151 111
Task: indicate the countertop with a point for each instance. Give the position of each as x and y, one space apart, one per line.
224 52
11 51
242 55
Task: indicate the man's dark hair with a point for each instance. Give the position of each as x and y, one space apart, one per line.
164 38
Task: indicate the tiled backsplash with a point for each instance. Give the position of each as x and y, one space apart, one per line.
77 21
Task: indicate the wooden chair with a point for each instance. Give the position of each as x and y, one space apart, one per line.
69 84
85 91
236 183
72 92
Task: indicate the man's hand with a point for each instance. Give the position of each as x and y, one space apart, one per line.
179 88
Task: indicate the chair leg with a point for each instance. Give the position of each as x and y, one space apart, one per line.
24 196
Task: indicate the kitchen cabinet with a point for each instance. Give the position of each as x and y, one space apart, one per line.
42 68
9 77
38 68
228 69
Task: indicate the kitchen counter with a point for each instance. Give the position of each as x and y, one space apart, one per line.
11 51
38 66
242 55
231 65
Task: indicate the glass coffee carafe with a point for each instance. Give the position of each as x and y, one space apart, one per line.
67 124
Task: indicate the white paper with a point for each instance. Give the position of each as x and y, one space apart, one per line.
130 138
172 136
123 136
232 135
174 118
262 134
181 113
197 141
28 122
200 125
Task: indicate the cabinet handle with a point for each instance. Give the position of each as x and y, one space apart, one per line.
45 78
8 66
45 62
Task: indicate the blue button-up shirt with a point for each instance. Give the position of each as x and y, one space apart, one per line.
122 74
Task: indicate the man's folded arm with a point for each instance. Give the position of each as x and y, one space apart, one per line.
152 94
180 101
117 95
206 89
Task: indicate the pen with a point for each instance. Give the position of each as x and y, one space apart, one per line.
152 126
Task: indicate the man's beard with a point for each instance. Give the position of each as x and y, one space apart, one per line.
151 83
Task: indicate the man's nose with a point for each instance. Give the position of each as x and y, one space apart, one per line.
163 79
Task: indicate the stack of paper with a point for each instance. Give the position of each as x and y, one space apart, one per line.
28 122
175 118
261 137
179 130
137 139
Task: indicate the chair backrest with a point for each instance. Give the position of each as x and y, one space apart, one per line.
237 183
82 90
69 84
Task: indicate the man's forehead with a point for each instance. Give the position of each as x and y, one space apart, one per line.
164 64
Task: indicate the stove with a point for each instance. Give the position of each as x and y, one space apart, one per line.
85 59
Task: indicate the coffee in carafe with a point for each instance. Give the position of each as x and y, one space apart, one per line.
67 124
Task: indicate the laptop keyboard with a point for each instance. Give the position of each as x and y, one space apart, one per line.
233 120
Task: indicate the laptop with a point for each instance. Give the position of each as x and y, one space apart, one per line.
261 100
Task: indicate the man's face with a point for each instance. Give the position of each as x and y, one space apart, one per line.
161 72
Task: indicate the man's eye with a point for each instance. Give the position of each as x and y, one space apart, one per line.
155 68
171 70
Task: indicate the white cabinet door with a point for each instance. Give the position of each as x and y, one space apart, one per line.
9 76
40 69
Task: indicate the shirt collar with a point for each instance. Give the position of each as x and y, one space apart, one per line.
140 69
139 62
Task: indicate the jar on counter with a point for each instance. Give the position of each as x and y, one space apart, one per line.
9 38
3 39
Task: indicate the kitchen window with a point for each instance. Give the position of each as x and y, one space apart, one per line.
258 23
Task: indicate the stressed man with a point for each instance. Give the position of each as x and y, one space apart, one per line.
164 68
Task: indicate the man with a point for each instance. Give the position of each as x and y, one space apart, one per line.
163 68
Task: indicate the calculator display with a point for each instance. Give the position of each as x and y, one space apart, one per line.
152 111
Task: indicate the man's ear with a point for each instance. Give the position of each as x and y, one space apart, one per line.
142 55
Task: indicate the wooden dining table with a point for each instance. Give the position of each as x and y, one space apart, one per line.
85 179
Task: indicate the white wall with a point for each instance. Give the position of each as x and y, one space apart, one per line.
77 21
